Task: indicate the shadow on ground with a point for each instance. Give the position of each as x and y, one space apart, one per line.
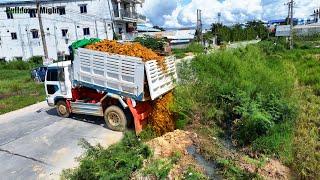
84 118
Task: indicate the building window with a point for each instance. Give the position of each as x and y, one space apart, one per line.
9 15
64 32
35 33
32 13
83 8
86 31
62 10
14 36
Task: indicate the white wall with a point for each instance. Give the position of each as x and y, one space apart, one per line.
97 20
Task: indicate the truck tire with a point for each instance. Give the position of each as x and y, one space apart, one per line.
62 109
115 119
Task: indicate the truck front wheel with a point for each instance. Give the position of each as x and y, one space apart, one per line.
62 109
115 118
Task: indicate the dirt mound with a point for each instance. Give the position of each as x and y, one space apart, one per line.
161 118
128 49
171 143
271 169
275 170
177 141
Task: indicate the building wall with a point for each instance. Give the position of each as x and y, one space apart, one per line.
97 19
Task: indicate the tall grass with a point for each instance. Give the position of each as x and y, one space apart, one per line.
260 95
241 90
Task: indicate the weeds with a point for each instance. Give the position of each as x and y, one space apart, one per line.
239 88
192 174
160 168
116 162
232 171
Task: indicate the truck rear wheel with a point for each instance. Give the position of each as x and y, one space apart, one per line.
62 109
115 118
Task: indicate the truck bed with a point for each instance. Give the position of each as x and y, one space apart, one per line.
122 75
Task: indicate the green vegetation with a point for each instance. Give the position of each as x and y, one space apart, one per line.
160 168
194 47
238 32
192 174
156 44
241 88
116 162
260 97
231 171
17 89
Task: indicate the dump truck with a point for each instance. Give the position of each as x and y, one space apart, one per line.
116 87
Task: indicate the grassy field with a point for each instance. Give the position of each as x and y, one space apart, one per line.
18 90
263 97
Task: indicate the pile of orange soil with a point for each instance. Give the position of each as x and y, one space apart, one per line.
128 49
161 118
165 147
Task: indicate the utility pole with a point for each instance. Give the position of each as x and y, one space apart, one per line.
290 19
199 25
43 36
219 18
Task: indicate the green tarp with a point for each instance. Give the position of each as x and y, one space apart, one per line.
80 44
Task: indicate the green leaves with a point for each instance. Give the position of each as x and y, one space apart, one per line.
116 162
156 44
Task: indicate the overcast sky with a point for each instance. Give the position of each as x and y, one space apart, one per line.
179 13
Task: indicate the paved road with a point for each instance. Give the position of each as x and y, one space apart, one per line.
37 144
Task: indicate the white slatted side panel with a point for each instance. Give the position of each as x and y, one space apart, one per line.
161 82
121 73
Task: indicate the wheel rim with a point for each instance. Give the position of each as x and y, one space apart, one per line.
62 109
114 119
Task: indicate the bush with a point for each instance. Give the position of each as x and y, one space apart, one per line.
16 65
156 44
37 60
34 61
239 89
116 162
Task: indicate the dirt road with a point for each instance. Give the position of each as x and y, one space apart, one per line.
37 144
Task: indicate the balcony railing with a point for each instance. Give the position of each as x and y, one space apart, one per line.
125 14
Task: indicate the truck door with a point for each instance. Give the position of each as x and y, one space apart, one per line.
55 82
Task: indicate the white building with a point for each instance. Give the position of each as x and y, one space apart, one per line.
20 35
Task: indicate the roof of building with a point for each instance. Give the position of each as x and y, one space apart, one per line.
144 28
280 21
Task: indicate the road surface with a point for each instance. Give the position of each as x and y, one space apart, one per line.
37 144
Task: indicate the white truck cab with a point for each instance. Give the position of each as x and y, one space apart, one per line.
58 82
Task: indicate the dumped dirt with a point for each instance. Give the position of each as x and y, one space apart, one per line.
161 118
171 143
128 49
272 169
275 170
176 141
